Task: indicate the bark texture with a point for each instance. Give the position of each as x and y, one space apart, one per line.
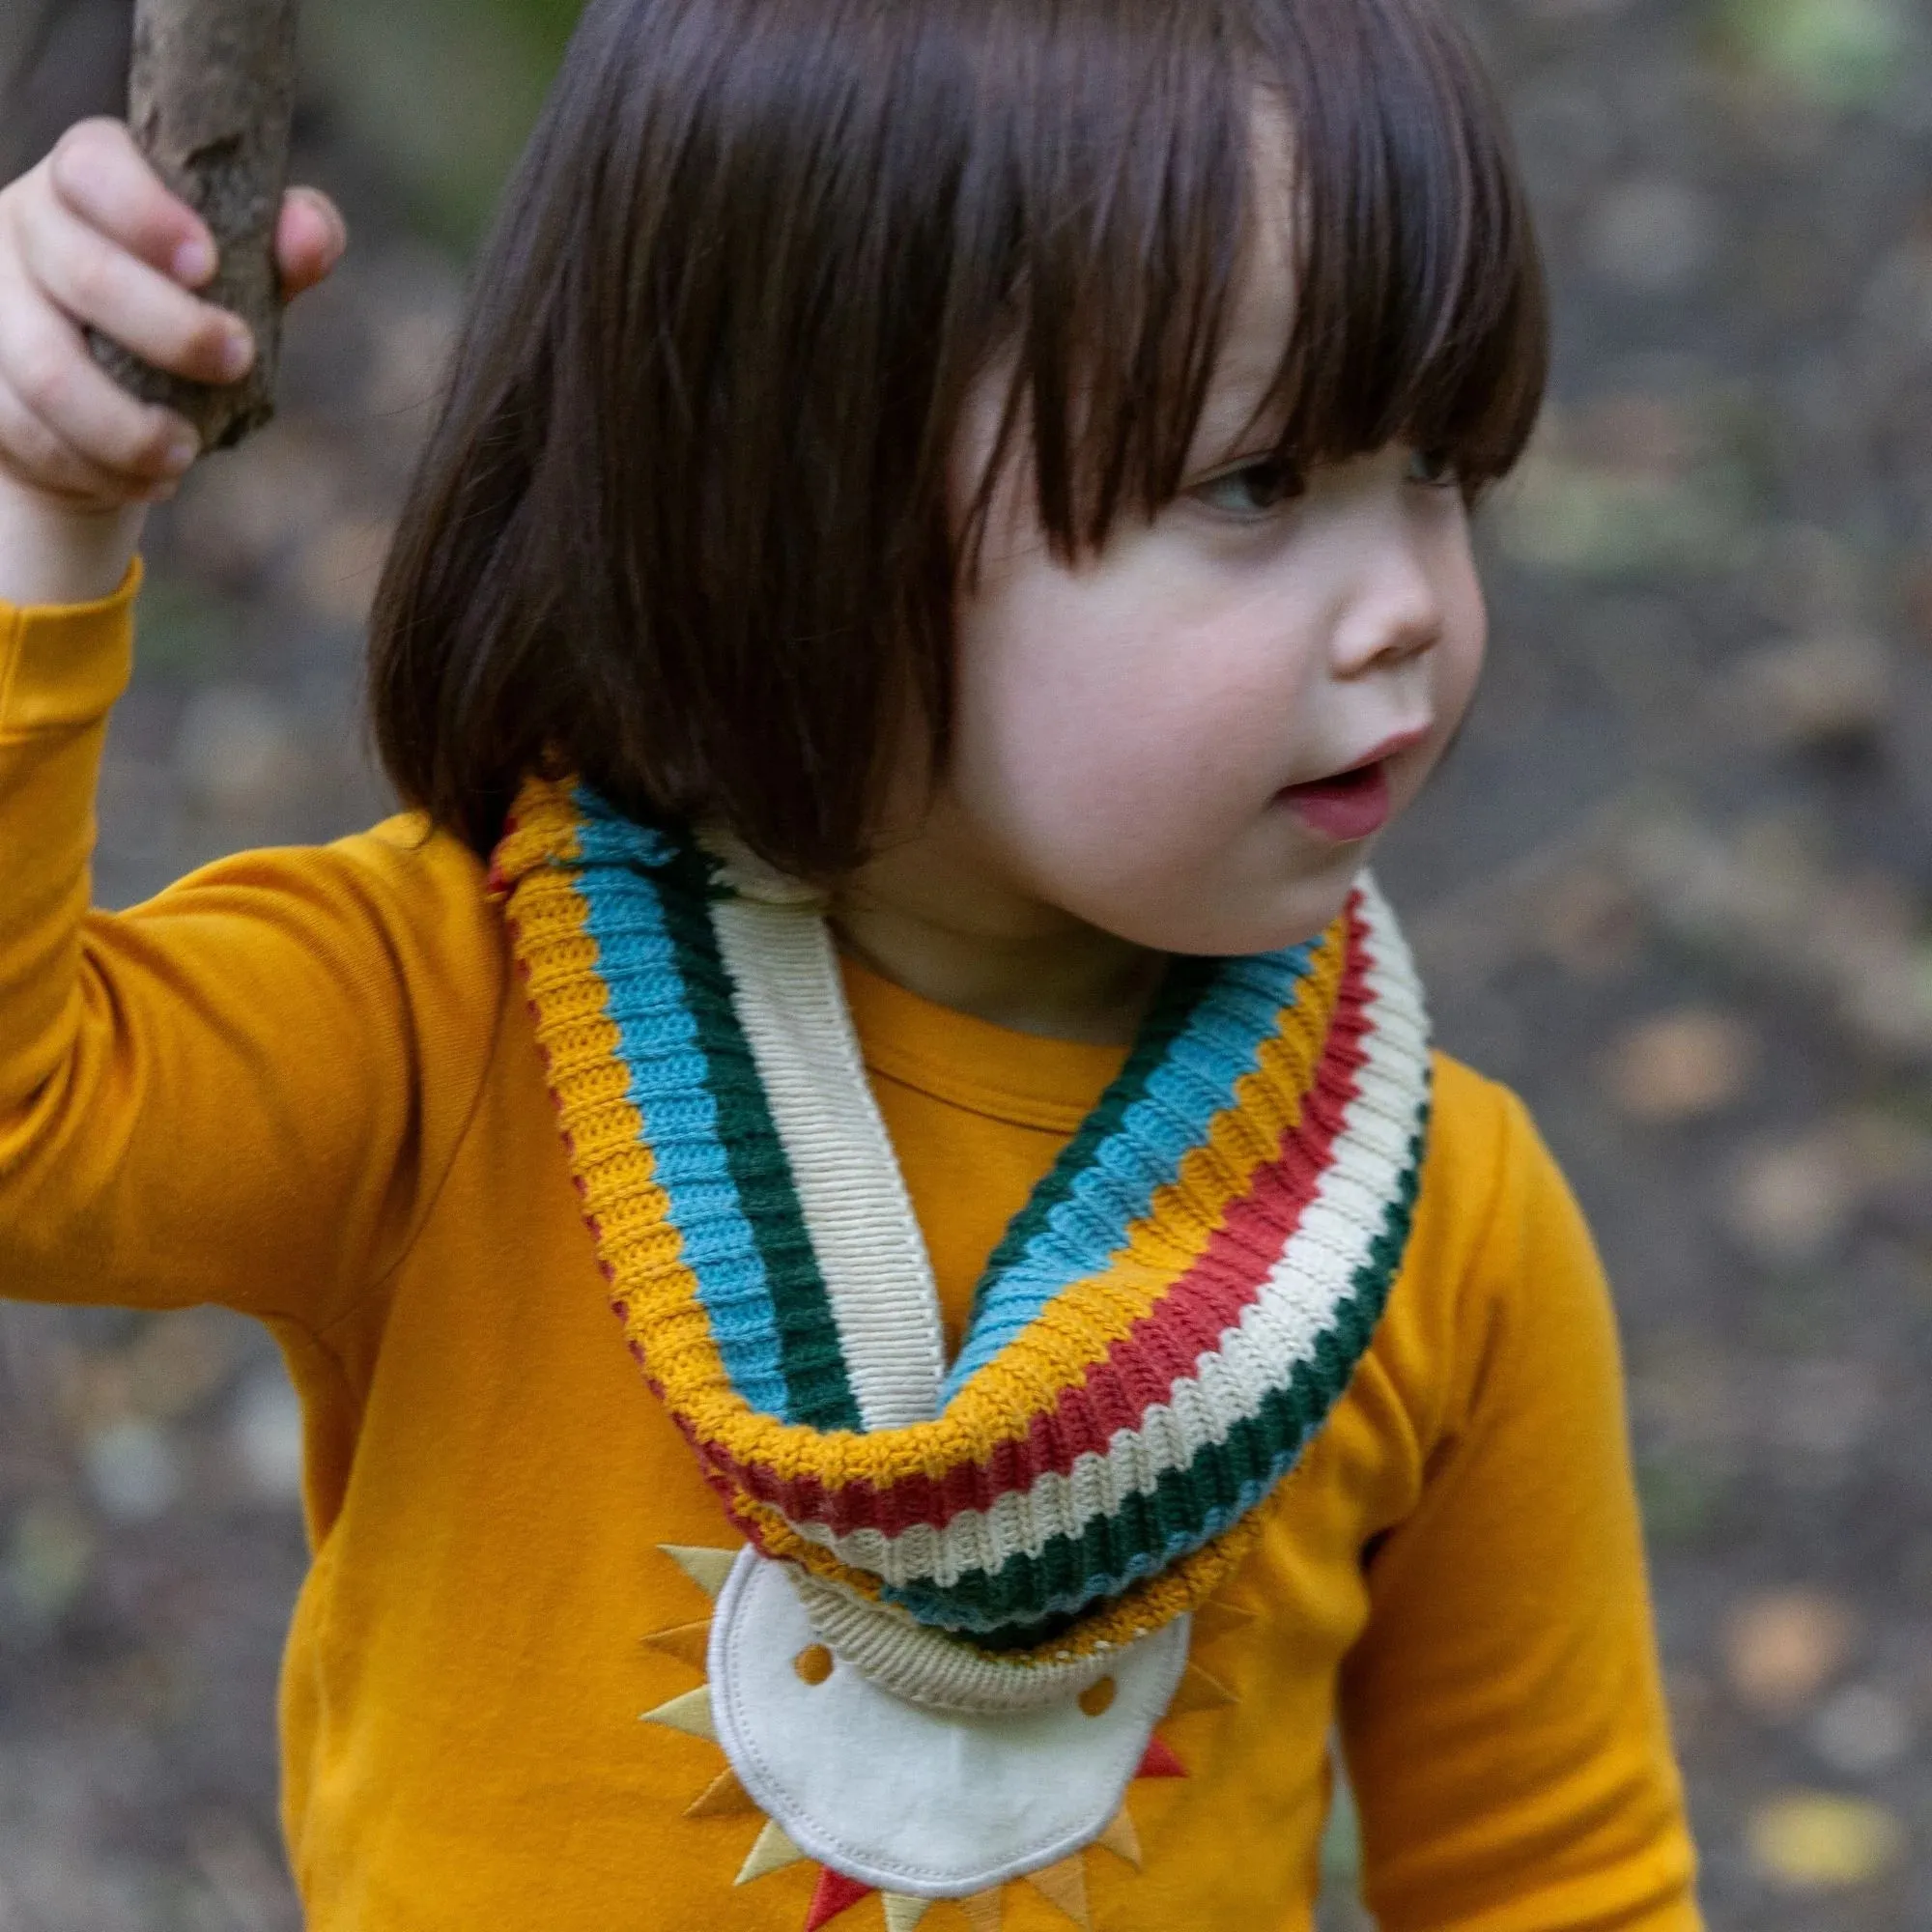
210 98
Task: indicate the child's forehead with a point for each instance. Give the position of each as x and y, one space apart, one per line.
1261 317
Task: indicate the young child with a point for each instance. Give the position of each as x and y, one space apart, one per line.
945 543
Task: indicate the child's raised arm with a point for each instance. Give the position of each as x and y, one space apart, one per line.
220 1095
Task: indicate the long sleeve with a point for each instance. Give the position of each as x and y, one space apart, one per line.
1503 1713
243 1092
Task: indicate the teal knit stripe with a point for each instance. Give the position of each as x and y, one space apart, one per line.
1162 1113
811 1359
1183 986
635 962
1020 1604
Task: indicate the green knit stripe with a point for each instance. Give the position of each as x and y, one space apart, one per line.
811 1359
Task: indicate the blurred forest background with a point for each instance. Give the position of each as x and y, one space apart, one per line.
1674 886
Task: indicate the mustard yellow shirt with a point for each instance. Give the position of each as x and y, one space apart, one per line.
304 1084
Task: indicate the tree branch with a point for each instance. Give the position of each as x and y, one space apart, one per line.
210 99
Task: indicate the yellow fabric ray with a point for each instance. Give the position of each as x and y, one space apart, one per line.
983 1911
706 1567
723 1798
1120 1838
689 1643
1199 1691
690 1714
904 1913
1063 1887
773 1852
1217 1617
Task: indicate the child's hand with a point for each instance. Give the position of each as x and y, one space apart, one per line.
92 237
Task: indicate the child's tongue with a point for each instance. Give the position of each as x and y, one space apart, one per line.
1353 804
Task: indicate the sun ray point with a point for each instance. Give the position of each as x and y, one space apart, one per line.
690 1714
1217 1617
1200 1691
835 1893
723 1798
773 1852
1063 1887
706 1567
689 1643
1122 1838
982 1910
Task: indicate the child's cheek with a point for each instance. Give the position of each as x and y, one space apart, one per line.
1110 758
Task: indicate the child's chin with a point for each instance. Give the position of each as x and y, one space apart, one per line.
1290 916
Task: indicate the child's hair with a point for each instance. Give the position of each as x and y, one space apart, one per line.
684 526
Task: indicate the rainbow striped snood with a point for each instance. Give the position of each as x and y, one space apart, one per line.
1158 1335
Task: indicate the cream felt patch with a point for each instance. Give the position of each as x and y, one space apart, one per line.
909 1800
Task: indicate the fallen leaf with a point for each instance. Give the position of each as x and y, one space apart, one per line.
1819 1841
1680 1066
1781 1648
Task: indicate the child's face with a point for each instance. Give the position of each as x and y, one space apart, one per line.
1151 740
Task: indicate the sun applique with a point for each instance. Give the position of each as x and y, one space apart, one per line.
1063 1885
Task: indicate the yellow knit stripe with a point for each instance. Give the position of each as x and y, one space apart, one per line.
637 1241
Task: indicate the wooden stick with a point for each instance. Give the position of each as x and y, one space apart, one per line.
210 98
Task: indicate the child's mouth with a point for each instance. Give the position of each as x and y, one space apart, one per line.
1349 806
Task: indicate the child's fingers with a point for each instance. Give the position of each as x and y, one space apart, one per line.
103 178
44 459
87 415
309 239
97 281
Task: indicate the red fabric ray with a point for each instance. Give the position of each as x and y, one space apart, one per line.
835 1892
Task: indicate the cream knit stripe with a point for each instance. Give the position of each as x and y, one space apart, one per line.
878 1277
1297 1304
927 1666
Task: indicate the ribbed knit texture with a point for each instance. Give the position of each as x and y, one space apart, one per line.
1154 1340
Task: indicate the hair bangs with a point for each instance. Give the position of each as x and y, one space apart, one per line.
1420 312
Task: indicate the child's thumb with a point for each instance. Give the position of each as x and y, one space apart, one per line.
309 239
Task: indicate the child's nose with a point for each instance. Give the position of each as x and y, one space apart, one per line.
1396 612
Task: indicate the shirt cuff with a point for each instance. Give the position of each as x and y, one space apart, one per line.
64 665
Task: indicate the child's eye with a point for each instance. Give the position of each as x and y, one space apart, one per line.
1435 468
1254 489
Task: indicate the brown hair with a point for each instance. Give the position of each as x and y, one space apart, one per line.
683 525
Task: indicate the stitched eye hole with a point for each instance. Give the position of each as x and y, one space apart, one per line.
814 1664
1098 1698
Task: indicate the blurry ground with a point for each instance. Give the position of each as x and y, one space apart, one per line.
1674 886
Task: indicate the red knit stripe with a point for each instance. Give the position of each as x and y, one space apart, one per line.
1139 1368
